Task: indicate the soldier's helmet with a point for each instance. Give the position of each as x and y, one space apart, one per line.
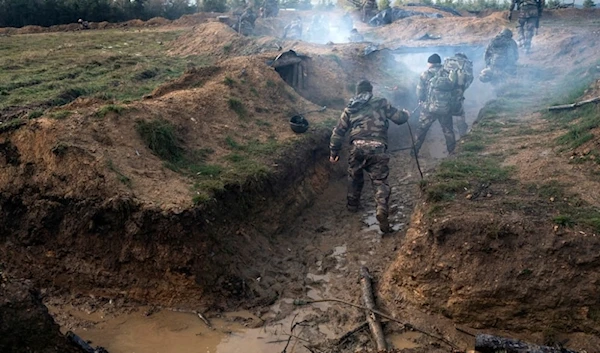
461 55
506 33
364 86
79 20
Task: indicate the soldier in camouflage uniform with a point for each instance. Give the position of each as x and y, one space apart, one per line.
530 12
356 37
501 55
293 30
246 22
366 117
428 117
369 9
270 8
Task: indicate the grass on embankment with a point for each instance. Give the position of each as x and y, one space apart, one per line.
249 161
53 69
480 162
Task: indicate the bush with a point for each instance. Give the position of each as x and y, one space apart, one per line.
159 136
587 4
383 4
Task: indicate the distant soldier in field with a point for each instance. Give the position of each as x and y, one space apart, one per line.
83 24
501 57
355 37
369 9
366 117
434 91
318 30
270 8
293 30
346 23
246 22
530 12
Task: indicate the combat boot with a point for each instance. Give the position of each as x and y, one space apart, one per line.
384 224
353 206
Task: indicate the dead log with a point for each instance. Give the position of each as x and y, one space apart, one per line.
374 324
574 105
493 344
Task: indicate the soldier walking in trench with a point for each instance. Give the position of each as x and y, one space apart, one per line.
434 92
366 117
530 12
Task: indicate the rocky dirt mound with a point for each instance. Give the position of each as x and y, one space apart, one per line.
453 30
331 70
153 22
26 325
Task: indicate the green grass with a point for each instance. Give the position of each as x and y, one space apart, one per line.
34 114
53 69
110 108
238 107
228 81
122 177
160 137
60 114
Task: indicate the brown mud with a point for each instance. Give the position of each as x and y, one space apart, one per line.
123 264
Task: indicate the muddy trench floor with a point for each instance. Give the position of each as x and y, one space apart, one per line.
325 248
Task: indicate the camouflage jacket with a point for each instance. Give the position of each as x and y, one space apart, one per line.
423 85
501 52
293 30
528 8
367 119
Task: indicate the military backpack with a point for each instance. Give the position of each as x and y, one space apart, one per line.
460 71
439 94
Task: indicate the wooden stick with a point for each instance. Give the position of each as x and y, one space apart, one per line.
299 302
574 105
203 318
492 344
374 324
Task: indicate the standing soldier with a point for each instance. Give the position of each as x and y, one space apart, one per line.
270 8
530 12
435 91
501 57
366 117
461 73
369 9
246 21
294 29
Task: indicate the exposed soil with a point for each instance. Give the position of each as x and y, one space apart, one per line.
117 251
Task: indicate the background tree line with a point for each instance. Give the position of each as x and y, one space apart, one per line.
18 13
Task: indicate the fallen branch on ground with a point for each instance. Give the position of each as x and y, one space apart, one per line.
492 344
374 324
406 325
574 105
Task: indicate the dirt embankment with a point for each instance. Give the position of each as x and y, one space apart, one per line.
331 71
26 325
91 209
516 256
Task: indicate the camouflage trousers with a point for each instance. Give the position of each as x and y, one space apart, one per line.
526 31
461 124
246 28
425 122
371 158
